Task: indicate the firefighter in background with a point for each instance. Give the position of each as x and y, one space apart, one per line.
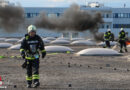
122 40
30 47
108 38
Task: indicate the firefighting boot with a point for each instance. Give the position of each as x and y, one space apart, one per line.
121 51
29 86
36 84
126 50
29 83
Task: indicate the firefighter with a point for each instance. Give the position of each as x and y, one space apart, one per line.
31 45
108 38
122 40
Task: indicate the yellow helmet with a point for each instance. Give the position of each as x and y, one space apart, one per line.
31 28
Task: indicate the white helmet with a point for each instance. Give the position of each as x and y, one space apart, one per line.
108 30
31 28
121 29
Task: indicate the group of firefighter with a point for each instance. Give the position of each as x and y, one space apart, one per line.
122 39
32 45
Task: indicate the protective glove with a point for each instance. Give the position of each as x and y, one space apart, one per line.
23 54
43 54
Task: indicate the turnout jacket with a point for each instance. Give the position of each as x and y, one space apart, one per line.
31 46
107 36
122 35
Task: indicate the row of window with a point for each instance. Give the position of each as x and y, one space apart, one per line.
121 25
106 15
105 26
121 15
31 15
115 15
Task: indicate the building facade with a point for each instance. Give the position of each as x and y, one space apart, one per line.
114 18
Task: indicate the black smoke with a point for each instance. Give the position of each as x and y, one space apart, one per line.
11 17
73 19
99 36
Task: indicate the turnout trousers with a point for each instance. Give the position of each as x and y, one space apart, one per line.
108 44
32 71
122 44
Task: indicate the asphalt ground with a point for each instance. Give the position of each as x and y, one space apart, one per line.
69 72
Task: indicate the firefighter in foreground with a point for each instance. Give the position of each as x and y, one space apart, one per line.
108 38
122 40
29 50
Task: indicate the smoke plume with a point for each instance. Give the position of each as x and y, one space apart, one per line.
73 19
99 36
11 17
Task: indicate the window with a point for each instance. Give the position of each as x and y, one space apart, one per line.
116 15
125 15
121 25
121 15
107 26
37 14
115 25
107 15
28 15
58 14
129 15
31 14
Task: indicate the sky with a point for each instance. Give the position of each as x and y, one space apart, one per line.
67 3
